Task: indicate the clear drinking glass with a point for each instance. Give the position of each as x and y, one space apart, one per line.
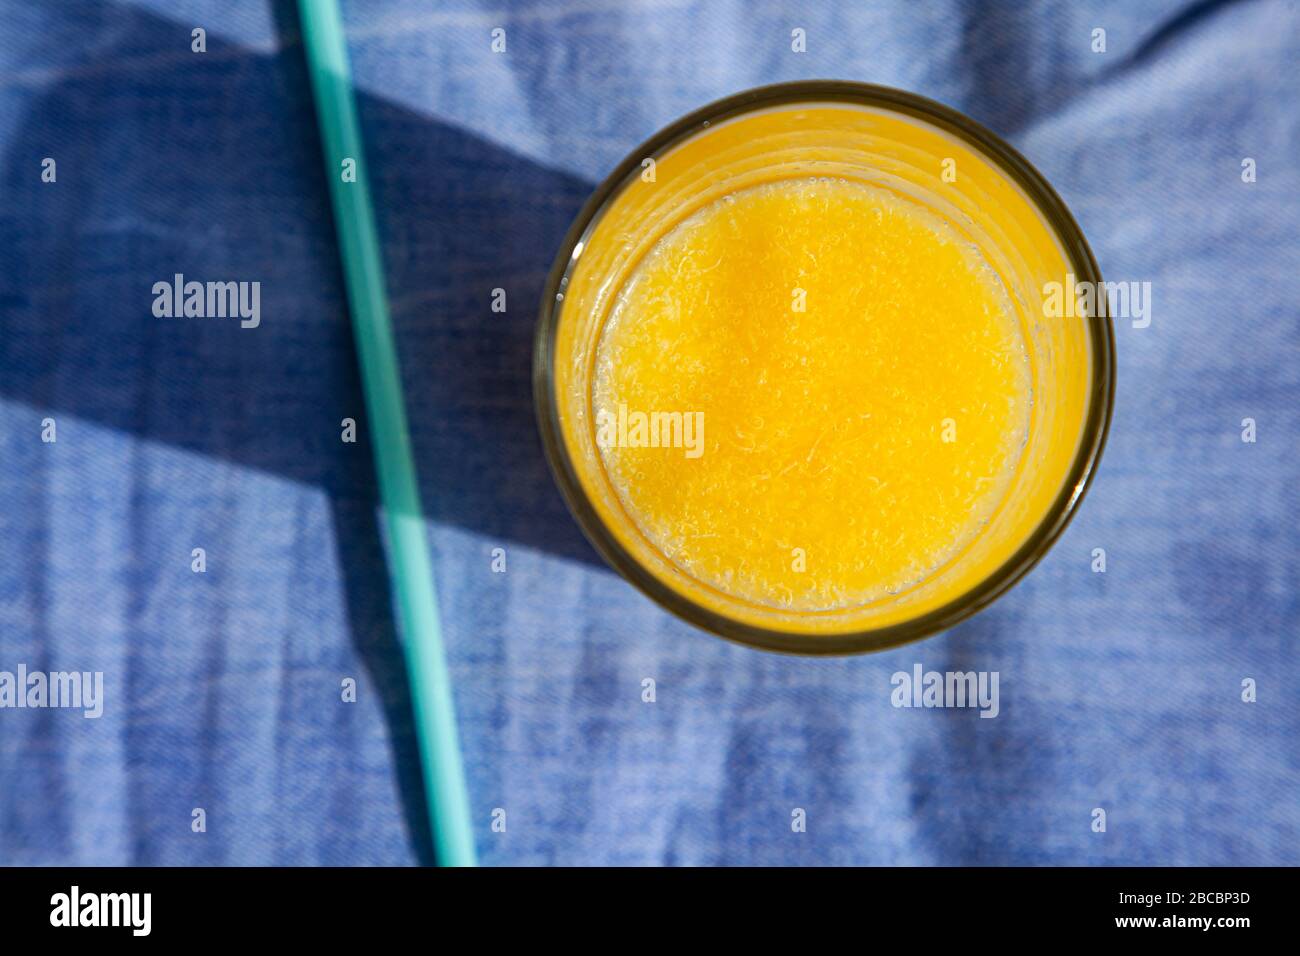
893 140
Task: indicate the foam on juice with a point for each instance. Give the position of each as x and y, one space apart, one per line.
864 387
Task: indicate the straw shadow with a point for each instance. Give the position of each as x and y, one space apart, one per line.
232 188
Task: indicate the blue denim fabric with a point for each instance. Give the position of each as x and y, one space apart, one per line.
1119 691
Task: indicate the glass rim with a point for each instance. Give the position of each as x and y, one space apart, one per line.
1101 393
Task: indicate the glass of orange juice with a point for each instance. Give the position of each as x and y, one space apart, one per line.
794 375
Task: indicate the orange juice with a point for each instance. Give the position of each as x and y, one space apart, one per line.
860 377
795 378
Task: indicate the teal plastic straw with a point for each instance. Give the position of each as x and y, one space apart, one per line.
408 554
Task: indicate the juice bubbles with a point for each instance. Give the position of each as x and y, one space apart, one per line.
861 380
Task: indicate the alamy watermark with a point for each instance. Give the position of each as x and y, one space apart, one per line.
625 429
209 300
922 688
1073 299
76 690
133 911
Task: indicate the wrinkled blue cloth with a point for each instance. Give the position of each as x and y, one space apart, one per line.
1119 690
